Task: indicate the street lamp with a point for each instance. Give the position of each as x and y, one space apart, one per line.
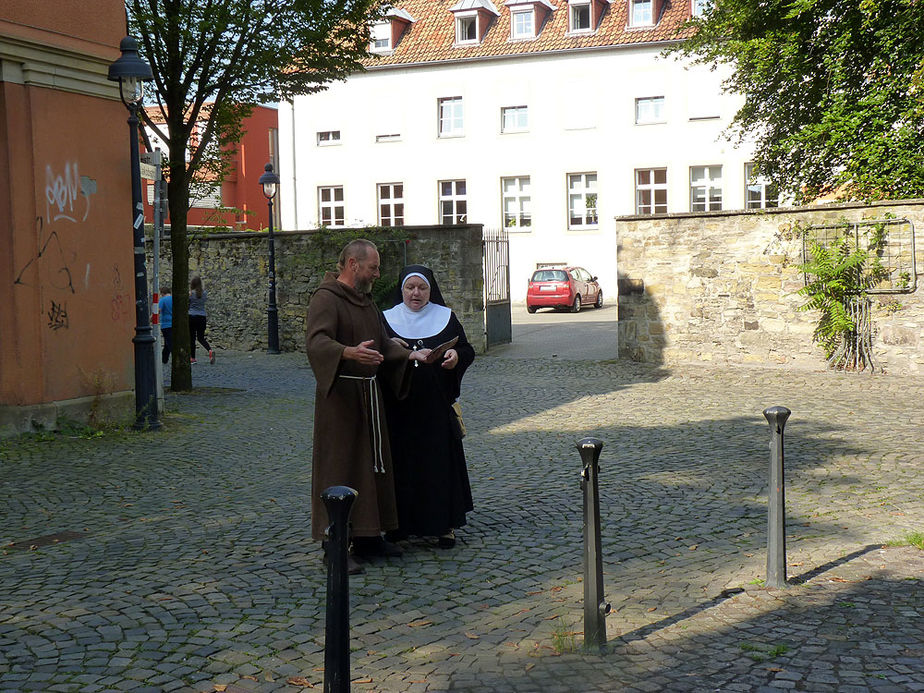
130 71
270 182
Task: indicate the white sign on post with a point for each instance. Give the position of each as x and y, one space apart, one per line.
148 171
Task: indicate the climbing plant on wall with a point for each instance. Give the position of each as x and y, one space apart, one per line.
840 268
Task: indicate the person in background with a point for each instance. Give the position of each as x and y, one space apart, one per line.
431 477
165 316
197 323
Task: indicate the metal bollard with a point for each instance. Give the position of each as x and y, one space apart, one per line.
339 502
776 511
595 608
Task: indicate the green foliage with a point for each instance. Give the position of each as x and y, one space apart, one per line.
839 273
835 273
760 652
915 539
563 637
833 89
212 63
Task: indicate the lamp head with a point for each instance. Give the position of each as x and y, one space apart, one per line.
270 182
131 72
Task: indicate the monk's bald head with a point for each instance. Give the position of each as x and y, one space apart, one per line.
358 249
359 265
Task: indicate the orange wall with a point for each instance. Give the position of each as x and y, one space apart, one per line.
66 259
66 23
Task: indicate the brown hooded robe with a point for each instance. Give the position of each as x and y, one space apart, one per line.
351 446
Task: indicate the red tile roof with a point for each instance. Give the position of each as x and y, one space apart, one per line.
432 35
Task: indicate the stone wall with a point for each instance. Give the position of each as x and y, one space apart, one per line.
721 286
235 273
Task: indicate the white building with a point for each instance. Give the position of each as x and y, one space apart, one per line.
547 117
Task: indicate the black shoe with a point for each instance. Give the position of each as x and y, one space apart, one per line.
448 540
366 547
354 567
394 535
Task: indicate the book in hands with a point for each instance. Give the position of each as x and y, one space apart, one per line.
436 354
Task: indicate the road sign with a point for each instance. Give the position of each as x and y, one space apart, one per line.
148 171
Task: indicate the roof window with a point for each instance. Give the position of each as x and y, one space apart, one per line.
386 33
473 18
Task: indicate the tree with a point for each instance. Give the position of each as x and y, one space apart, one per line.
213 61
833 89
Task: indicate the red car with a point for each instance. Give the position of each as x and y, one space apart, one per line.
563 287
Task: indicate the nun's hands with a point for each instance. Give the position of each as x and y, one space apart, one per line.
450 359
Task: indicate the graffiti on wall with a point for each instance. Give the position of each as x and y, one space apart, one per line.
62 190
121 298
67 200
50 246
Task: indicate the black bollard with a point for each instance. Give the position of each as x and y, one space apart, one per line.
595 608
339 502
776 511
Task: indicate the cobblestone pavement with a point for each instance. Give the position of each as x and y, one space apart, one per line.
181 560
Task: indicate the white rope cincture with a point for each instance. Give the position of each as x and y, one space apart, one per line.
378 460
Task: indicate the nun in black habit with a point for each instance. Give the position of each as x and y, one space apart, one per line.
431 478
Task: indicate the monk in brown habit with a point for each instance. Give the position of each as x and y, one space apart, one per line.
352 357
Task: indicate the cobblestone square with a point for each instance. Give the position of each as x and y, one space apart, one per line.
182 560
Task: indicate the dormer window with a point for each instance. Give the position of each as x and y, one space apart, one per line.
473 18
523 24
580 16
642 12
381 37
467 28
699 7
584 15
527 18
386 34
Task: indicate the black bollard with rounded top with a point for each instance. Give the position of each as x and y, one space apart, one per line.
595 608
776 501
339 502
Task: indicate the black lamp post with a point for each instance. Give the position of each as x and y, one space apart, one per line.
130 71
270 182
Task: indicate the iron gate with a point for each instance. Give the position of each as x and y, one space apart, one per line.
496 287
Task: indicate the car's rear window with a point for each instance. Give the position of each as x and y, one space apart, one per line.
549 276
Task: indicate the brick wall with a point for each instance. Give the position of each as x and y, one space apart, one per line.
234 269
721 287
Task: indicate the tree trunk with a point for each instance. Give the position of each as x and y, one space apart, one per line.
178 199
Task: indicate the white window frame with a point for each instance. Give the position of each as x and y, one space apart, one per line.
205 196
518 32
328 208
649 110
641 13
380 37
453 194
393 200
650 190
706 188
514 118
583 210
516 203
463 20
451 117
759 193
573 9
328 138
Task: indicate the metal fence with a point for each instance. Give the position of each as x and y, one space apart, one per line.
889 241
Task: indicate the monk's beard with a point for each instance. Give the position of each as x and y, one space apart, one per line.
363 287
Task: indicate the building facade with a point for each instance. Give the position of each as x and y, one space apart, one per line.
237 202
66 256
545 118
